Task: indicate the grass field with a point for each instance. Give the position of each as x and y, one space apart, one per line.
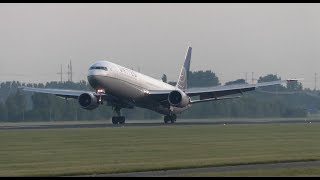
56 152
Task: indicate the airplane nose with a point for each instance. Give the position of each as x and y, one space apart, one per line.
93 81
95 77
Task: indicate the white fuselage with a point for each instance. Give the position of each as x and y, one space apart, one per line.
128 84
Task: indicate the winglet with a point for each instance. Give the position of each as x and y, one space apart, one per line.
183 77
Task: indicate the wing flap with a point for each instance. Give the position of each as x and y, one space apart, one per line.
224 93
213 99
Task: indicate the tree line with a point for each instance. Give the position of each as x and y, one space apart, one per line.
290 100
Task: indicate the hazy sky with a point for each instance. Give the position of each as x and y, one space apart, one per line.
229 39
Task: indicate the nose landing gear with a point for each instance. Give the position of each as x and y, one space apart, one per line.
100 92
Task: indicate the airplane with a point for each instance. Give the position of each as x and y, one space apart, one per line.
120 87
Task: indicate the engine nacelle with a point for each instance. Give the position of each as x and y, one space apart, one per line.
88 101
178 98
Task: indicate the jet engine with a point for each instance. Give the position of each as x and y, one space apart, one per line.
88 101
178 98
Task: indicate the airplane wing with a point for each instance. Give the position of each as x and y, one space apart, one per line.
66 93
214 93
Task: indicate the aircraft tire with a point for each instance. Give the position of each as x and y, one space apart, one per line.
166 119
122 120
115 120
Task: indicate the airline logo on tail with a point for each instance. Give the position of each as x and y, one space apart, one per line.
182 83
183 78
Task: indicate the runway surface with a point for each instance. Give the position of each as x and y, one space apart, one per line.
108 124
215 169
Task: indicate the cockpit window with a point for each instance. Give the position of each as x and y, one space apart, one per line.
99 67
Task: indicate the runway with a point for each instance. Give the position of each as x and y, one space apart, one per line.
109 125
249 167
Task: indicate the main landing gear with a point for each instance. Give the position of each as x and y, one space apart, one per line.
169 117
118 119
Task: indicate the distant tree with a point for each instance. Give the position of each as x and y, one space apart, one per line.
238 81
202 79
44 107
21 101
16 106
294 86
268 78
3 112
295 112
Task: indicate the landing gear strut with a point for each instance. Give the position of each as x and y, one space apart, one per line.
118 119
170 117
100 92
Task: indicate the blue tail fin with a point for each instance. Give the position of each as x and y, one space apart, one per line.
183 77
